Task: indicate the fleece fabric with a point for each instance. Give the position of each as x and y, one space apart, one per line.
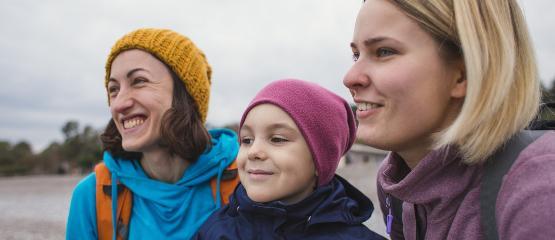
441 195
160 210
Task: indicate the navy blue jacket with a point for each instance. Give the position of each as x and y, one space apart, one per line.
334 211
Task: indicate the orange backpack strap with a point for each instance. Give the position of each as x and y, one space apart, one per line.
104 205
230 179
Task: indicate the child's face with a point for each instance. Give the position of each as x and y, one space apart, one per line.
274 160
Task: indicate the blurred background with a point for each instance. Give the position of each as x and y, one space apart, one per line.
53 103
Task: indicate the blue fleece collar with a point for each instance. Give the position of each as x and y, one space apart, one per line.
174 208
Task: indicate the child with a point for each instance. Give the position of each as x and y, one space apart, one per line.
292 136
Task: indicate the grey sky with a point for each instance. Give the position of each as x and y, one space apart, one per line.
53 52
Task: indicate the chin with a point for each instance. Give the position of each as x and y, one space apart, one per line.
130 147
372 141
259 197
367 134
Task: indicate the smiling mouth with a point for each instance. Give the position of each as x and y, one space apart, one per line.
133 122
365 106
260 172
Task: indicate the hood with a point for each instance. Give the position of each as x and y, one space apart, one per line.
440 176
165 210
129 172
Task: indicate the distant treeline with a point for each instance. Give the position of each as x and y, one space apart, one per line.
548 98
77 154
81 148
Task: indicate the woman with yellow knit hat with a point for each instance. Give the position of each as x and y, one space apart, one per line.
163 173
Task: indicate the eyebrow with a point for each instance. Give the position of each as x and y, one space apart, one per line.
273 126
245 128
276 126
371 41
130 73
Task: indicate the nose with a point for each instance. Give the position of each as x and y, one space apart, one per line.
122 102
256 151
356 78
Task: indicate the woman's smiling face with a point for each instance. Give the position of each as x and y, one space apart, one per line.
404 89
140 89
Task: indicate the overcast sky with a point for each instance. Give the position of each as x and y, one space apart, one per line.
53 52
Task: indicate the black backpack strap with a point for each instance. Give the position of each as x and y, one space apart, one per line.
494 170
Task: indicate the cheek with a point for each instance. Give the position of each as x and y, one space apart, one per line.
112 110
301 167
418 92
241 162
114 114
241 158
164 102
155 99
397 90
393 78
408 86
164 97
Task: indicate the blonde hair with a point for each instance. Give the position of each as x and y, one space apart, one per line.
503 90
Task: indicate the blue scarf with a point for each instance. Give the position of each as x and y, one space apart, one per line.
173 211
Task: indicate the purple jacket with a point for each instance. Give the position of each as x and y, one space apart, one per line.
441 195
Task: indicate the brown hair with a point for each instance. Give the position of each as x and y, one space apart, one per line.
181 130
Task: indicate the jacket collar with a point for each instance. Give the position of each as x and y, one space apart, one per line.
336 202
439 176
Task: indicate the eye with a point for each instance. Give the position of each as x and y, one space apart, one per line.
246 140
278 139
384 52
355 56
113 90
139 80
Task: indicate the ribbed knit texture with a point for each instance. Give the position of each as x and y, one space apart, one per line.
178 52
325 120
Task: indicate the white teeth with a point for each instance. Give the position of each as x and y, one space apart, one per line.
131 123
367 106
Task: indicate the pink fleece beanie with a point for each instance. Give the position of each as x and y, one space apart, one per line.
325 120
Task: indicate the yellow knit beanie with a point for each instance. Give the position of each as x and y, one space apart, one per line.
178 52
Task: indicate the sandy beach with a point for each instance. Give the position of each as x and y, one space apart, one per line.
36 207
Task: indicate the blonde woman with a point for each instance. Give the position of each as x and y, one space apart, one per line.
443 85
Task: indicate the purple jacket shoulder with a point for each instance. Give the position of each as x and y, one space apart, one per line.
526 200
441 196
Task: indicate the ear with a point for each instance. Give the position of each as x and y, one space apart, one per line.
458 89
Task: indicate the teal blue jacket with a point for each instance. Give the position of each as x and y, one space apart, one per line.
160 210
